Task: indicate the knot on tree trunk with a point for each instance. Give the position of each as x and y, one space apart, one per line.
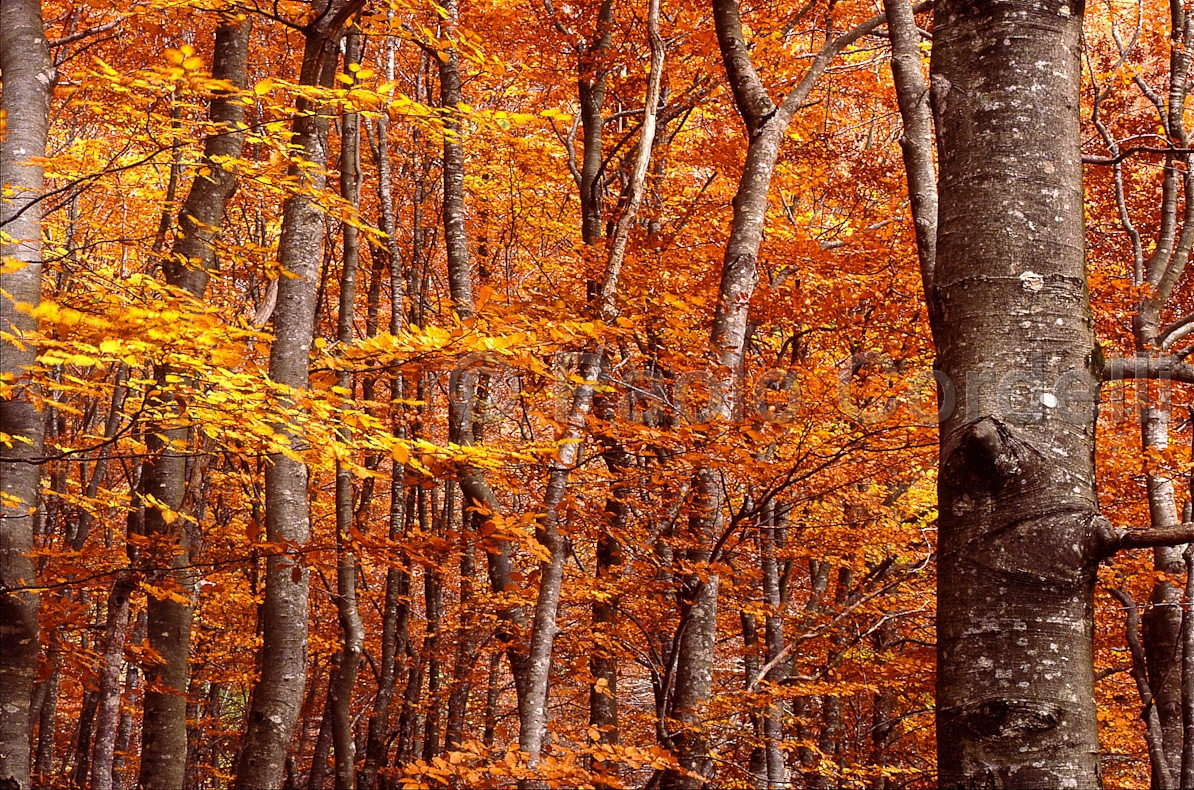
999 719
988 455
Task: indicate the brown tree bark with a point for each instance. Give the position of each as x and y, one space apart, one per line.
1018 528
278 695
25 101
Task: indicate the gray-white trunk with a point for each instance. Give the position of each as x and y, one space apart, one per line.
1018 529
278 695
27 77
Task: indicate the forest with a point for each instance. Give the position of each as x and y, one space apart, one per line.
602 394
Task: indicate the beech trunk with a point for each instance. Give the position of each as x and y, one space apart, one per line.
1018 514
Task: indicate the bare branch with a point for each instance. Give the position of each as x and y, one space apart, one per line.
1171 368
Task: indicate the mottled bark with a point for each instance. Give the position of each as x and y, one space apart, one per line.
1162 621
48 718
394 618
107 715
460 276
467 633
163 732
533 704
1018 544
278 695
592 72
773 717
27 77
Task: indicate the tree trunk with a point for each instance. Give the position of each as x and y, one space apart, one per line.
590 86
278 695
107 715
394 612
351 628
1018 515
163 732
27 77
766 124
48 719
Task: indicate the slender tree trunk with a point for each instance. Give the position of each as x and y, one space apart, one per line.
1018 513
351 628
477 493
107 716
48 719
455 234
323 738
466 638
163 731
916 142
766 124
395 608
278 695
492 692
27 77
590 85
533 704
1187 674
773 718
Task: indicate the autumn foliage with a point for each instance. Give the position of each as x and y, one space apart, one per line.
822 469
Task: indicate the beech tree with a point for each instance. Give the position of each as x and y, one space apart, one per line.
27 74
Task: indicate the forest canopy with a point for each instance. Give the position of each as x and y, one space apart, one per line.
625 393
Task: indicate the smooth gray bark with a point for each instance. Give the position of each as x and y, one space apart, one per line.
352 630
592 74
394 636
916 142
163 731
1018 527
278 694
27 78
533 706
107 715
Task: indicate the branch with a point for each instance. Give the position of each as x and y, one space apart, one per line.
755 106
1170 368
91 31
1090 159
1152 737
1111 539
1176 331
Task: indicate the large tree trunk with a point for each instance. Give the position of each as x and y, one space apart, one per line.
278 695
164 730
27 77
1018 515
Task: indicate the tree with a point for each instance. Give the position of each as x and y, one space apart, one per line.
278 694
192 260
25 108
